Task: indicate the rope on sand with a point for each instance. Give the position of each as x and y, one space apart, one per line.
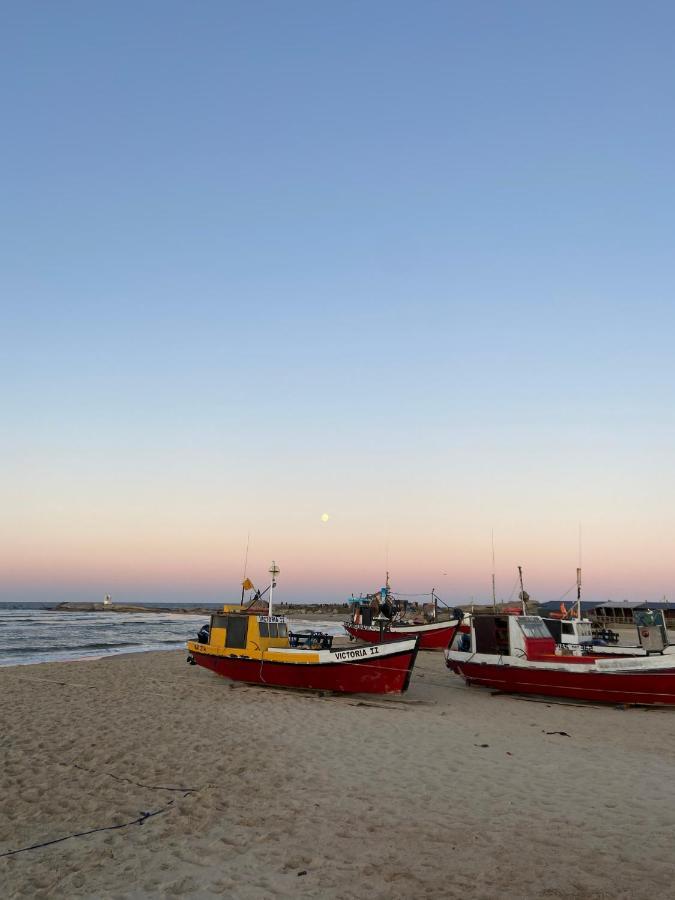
144 816
152 787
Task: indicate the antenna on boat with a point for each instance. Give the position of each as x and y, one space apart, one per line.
274 571
494 594
245 582
522 589
579 578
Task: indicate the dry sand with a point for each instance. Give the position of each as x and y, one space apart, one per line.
445 792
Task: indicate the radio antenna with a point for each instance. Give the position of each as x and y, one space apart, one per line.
579 578
494 594
243 583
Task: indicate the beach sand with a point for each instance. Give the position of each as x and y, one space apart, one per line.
446 791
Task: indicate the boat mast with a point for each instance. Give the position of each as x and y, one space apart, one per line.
494 594
243 584
579 578
274 571
522 590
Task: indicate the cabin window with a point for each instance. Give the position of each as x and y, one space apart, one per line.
533 627
218 621
492 634
237 630
648 617
554 627
567 628
273 629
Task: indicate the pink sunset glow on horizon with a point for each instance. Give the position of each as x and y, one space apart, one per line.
175 525
329 561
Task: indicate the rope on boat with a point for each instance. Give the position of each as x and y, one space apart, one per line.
513 590
568 591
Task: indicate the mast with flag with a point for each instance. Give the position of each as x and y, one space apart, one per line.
246 585
274 571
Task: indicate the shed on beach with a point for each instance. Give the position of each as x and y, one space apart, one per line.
609 613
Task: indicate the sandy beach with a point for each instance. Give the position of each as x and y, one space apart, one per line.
446 791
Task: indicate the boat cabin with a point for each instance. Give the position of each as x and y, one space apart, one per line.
572 632
494 635
237 629
247 632
360 611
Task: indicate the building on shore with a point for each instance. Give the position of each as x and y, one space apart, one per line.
609 613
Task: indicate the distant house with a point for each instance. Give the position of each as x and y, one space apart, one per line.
610 613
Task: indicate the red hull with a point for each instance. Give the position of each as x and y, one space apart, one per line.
650 688
430 638
377 675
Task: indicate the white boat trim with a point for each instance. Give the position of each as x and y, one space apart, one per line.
600 666
407 629
344 654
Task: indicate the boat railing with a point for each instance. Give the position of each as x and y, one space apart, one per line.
310 640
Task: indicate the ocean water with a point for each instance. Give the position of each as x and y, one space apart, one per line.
34 635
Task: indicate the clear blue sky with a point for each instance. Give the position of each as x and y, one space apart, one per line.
407 263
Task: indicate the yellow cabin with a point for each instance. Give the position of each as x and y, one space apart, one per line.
238 632
237 629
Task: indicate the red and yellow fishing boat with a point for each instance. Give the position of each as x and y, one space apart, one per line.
244 645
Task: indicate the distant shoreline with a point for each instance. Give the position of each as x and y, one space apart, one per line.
300 610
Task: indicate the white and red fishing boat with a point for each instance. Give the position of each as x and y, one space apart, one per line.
517 654
249 643
432 636
382 617
573 633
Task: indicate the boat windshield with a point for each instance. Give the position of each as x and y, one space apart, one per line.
648 617
584 631
533 627
273 629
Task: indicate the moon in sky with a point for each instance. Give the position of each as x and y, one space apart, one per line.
325 517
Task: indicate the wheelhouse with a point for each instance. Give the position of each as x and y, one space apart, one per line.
570 631
494 635
234 629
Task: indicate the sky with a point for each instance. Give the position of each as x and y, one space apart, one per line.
408 265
